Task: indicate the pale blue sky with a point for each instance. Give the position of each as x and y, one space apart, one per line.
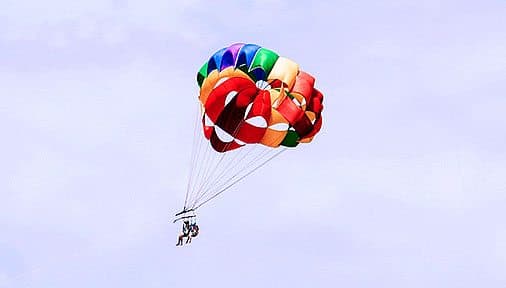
404 187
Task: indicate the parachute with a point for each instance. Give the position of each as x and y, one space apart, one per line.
254 104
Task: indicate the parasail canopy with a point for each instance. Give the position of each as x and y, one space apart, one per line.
253 104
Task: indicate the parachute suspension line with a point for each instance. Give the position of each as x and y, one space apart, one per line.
193 157
211 181
202 165
217 170
238 166
203 191
211 171
239 179
249 165
230 165
212 167
211 178
196 168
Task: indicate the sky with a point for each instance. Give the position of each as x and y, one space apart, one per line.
405 186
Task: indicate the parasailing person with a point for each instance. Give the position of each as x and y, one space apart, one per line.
254 104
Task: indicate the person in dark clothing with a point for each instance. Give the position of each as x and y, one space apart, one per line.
185 233
194 231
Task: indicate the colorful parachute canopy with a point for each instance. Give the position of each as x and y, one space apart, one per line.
248 95
251 95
